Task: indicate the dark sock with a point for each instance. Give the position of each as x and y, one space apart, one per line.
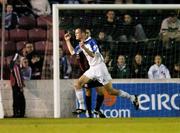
88 105
99 102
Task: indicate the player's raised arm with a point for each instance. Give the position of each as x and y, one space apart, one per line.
67 38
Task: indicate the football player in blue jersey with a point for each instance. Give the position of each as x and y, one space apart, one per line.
97 70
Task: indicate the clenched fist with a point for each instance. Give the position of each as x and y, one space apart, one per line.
67 37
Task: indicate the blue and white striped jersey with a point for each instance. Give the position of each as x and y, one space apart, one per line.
93 47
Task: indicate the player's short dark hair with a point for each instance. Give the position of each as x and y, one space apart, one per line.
8 4
83 29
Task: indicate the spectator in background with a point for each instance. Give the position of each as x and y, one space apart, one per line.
41 7
121 70
11 18
176 71
103 42
131 31
23 52
110 24
65 66
139 70
110 19
158 70
37 63
170 29
17 84
29 48
26 70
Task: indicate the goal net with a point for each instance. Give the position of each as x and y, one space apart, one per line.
129 38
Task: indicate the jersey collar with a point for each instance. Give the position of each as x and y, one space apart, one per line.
87 39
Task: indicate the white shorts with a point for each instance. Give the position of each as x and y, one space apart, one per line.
99 72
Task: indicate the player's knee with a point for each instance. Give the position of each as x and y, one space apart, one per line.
77 85
110 91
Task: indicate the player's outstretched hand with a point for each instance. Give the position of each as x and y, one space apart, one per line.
67 37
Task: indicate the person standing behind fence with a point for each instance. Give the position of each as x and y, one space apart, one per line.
17 88
158 70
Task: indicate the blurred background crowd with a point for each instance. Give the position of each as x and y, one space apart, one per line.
129 40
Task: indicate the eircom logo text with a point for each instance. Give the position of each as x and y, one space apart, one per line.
159 102
115 113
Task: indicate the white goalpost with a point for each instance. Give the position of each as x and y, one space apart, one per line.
1 108
1 105
60 7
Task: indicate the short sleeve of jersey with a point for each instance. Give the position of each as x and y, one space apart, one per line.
94 46
77 49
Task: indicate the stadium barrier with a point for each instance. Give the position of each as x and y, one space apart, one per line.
158 98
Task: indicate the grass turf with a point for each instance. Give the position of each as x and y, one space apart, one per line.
118 125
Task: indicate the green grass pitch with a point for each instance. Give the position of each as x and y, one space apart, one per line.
83 125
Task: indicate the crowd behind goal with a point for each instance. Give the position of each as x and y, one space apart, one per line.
129 40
